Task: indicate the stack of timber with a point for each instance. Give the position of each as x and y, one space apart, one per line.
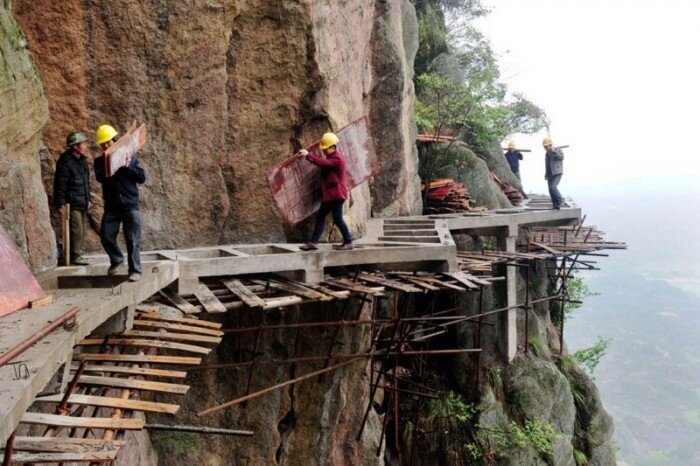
112 378
446 196
480 262
560 241
514 196
269 291
432 138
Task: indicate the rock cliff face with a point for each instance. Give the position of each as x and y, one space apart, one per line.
228 89
23 111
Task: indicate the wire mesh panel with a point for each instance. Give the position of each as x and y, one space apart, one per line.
295 183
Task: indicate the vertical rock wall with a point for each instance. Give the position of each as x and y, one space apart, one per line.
229 89
23 112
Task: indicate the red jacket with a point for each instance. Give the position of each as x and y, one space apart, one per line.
333 172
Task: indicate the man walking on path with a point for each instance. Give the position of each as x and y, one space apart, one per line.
333 189
72 186
514 157
554 169
121 197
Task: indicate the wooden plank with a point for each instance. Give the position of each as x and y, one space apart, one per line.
546 248
345 294
461 277
135 371
389 283
139 358
108 402
41 302
81 422
64 444
272 303
356 287
210 302
244 293
177 320
148 343
179 327
291 287
134 384
442 283
101 456
417 281
173 336
178 301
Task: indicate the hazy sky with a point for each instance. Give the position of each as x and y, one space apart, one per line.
620 80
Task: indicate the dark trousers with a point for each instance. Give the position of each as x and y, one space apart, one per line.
336 208
78 220
111 221
552 183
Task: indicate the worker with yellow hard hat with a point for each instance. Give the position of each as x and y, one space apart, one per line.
333 189
514 157
554 170
121 200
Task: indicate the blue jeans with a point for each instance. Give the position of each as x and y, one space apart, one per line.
111 222
336 208
552 183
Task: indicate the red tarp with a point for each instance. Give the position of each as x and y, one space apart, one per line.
296 184
17 283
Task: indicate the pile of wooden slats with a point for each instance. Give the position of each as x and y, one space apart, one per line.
219 295
446 196
514 196
92 416
480 262
559 241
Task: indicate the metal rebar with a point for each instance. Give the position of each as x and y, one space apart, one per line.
200 430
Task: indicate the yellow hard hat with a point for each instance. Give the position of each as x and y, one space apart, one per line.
511 145
105 133
328 140
547 142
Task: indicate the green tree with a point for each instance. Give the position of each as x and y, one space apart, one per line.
589 358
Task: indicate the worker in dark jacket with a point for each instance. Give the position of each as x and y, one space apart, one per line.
72 186
514 157
121 198
333 188
554 169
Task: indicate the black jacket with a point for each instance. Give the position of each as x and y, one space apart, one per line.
120 191
71 184
514 159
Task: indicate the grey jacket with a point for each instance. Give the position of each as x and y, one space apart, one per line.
554 163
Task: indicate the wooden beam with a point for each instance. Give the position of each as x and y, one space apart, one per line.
177 320
244 293
179 327
134 384
101 456
417 281
63 444
178 301
294 288
210 302
135 371
108 402
173 336
461 277
395 285
356 287
81 422
139 358
345 294
272 303
147 343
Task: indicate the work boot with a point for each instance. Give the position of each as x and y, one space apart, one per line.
112 270
344 247
309 247
134 277
80 260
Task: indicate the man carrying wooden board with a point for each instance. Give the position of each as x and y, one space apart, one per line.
120 173
71 196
